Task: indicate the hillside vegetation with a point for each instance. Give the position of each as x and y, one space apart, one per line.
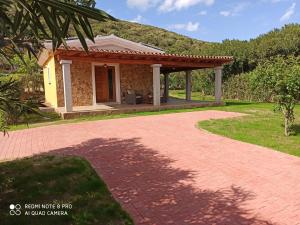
247 54
164 39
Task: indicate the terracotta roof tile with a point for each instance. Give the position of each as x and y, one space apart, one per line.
227 58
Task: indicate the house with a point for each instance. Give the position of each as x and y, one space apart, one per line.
115 71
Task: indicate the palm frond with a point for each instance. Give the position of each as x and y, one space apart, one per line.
32 21
24 24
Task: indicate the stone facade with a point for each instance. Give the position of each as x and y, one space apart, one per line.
138 78
82 88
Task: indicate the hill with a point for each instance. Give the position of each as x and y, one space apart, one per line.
247 54
284 41
169 41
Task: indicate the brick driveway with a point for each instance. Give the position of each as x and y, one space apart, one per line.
163 170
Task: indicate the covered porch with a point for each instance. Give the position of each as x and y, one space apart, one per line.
159 63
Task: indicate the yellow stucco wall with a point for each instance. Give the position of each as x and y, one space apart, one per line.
50 84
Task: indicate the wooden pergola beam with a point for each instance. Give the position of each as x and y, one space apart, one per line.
165 63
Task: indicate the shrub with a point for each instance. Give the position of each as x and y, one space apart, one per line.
259 84
276 80
238 87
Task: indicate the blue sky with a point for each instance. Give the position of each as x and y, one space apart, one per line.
209 20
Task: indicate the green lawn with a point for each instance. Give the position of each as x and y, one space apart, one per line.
195 95
262 127
55 179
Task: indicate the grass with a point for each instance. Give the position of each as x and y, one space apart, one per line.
261 127
57 179
195 95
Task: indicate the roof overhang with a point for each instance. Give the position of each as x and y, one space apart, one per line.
44 56
169 62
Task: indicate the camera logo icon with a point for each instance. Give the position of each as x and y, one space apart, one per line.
15 209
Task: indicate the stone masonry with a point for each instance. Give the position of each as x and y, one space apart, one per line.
132 77
82 89
138 78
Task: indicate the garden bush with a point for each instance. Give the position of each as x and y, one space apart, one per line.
258 85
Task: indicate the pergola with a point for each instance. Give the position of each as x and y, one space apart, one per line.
161 63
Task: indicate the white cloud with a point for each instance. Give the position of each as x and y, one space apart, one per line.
202 13
137 19
142 4
288 14
236 10
171 5
225 13
167 5
190 26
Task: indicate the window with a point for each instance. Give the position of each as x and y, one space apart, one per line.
49 75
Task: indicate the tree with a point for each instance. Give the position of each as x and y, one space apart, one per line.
25 24
279 79
30 76
11 108
287 90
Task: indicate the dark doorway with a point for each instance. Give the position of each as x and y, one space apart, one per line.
105 84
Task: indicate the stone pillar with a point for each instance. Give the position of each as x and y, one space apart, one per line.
156 84
118 84
218 83
188 85
67 84
166 79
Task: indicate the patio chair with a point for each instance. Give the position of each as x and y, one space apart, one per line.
133 98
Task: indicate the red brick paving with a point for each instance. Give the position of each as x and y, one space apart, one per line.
163 170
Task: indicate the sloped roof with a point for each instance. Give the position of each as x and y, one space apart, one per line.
169 62
127 52
112 49
110 42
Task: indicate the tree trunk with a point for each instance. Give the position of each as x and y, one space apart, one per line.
286 127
